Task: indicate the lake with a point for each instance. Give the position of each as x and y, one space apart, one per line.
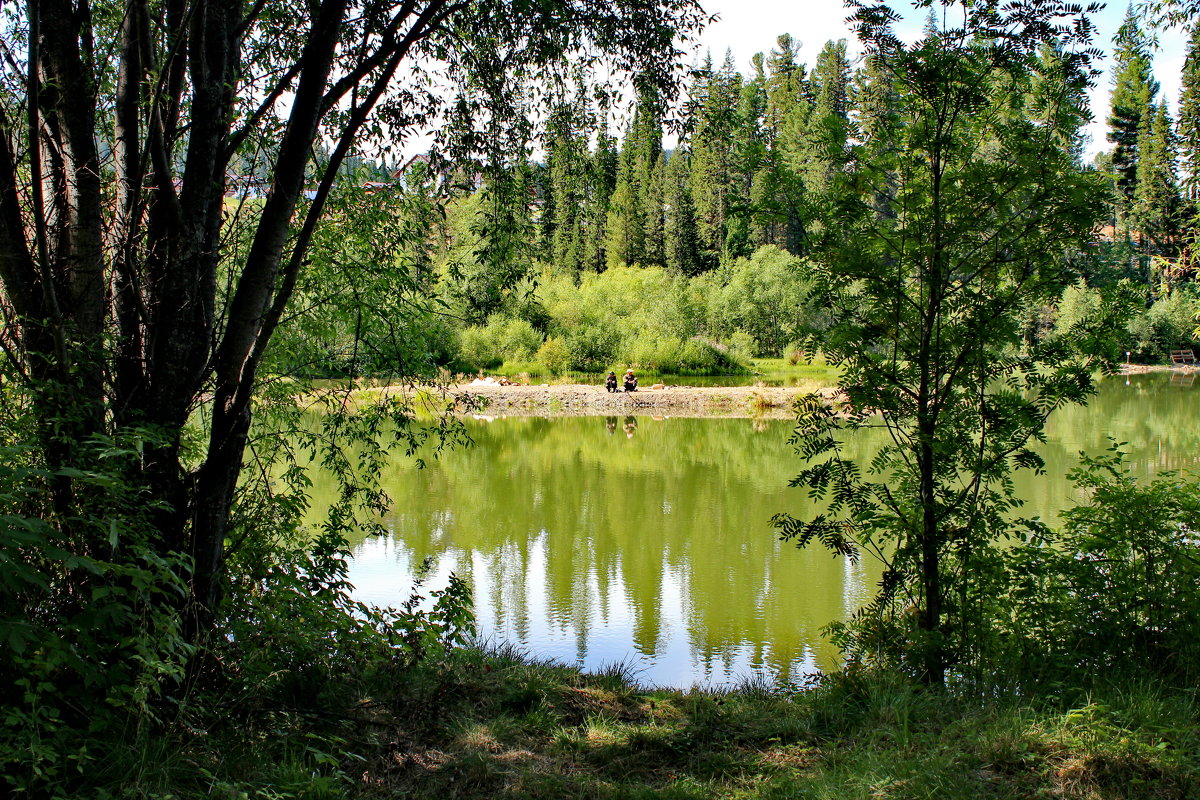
595 540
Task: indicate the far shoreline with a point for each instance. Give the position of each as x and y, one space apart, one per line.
586 400
760 401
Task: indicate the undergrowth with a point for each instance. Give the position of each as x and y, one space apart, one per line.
496 724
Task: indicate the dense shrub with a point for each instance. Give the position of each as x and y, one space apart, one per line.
478 348
554 355
1112 591
502 339
518 340
645 318
765 296
1167 325
1150 336
592 348
1077 303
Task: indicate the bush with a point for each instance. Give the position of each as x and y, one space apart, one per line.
1112 592
702 357
742 346
478 349
1077 304
518 339
554 355
767 297
1167 325
592 348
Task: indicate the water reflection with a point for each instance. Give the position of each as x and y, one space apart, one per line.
592 547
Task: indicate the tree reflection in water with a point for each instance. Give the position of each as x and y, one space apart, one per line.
657 548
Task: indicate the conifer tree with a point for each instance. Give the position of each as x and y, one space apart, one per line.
826 135
786 79
1156 202
745 230
873 99
1189 120
564 186
681 238
634 222
602 181
623 232
778 192
712 146
649 175
652 207
1133 94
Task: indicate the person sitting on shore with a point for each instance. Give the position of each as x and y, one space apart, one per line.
610 382
630 381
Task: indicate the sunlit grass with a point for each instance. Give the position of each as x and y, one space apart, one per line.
542 731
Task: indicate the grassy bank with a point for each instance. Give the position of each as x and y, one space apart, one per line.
483 726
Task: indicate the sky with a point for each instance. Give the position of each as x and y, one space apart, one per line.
746 27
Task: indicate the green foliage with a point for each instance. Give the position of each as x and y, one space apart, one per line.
367 304
766 297
478 348
90 635
1133 94
1156 207
554 355
925 304
93 639
645 318
1078 304
1189 119
502 339
1167 325
1110 592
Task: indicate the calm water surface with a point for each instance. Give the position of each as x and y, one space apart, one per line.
648 540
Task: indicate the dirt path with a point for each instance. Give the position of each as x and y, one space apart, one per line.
578 400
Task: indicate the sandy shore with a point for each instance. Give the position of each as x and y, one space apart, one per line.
579 400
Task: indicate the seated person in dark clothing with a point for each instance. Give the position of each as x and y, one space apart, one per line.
630 381
610 382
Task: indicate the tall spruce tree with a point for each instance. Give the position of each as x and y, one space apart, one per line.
712 154
1133 94
826 135
634 222
744 228
777 192
682 245
623 225
564 187
1156 202
873 99
1189 120
602 182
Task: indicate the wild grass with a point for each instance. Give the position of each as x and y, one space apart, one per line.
502 725
492 722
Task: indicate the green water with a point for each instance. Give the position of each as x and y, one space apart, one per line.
648 540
